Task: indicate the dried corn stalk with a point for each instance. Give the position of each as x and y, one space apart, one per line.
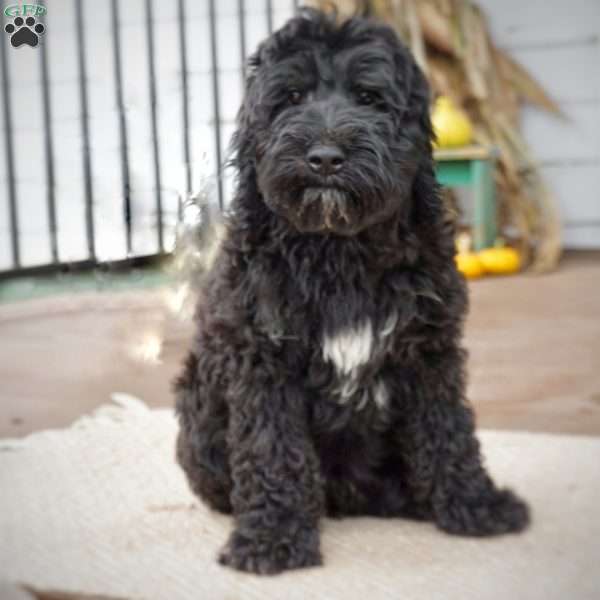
451 42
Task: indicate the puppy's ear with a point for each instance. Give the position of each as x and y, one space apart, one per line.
428 206
243 143
419 106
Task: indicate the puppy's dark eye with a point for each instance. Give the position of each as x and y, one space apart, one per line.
295 96
366 98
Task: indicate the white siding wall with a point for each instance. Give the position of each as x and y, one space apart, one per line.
558 41
24 66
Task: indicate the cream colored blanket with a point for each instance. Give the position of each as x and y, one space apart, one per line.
102 508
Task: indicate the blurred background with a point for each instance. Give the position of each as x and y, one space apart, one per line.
114 125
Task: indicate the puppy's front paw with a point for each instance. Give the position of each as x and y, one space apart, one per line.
494 513
268 553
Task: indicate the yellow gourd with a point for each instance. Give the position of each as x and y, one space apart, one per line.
467 262
500 261
450 124
469 265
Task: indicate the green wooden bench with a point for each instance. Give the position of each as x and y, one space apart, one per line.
473 167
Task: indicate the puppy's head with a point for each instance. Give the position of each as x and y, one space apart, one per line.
334 123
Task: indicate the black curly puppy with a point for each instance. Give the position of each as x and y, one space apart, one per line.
327 375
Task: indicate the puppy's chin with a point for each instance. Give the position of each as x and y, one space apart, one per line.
325 210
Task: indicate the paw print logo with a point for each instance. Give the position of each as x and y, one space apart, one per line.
24 31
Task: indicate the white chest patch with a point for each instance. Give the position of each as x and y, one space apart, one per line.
349 348
352 348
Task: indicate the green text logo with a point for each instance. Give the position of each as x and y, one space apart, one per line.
25 10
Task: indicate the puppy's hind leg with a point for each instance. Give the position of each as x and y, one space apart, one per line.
201 443
445 467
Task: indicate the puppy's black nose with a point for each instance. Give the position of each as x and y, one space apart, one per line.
325 160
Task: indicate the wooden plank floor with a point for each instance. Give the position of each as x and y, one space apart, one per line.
534 345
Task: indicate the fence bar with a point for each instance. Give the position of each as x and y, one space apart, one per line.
10 156
49 151
216 96
154 122
184 106
122 124
242 33
85 131
270 16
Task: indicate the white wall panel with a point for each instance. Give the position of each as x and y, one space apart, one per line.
569 73
6 258
570 139
67 139
559 43
136 96
170 117
30 163
256 26
229 54
577 188
282 11
105 144
581 237
518 23
202 131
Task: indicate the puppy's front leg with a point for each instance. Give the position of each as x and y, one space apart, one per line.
277 495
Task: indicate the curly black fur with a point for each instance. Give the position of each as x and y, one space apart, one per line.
327 375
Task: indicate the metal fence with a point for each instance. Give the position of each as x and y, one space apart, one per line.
122 111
